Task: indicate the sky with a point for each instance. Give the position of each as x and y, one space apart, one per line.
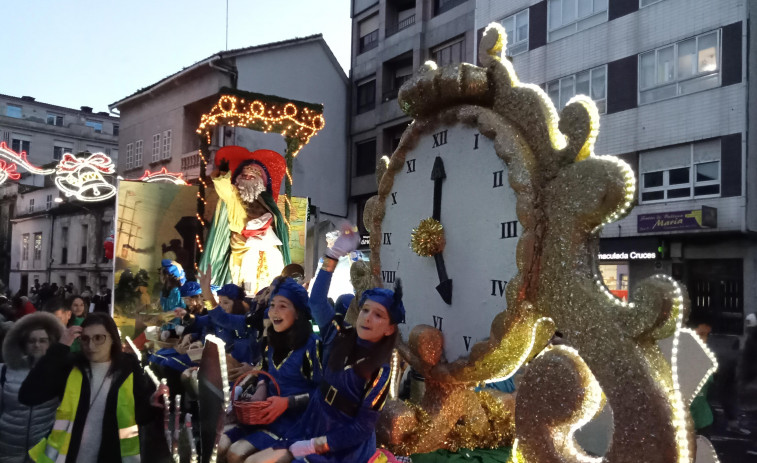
93 53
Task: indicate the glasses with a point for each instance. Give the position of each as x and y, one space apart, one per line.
97 339
33 341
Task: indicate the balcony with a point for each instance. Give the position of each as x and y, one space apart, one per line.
404 24
442 6
368 42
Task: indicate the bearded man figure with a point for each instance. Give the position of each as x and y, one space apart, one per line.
248 235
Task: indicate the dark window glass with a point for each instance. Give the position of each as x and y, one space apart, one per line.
366 158
678 176
679 193
653 179
708 171
366 96
706 190
652 195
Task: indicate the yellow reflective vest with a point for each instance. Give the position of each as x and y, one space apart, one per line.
54 448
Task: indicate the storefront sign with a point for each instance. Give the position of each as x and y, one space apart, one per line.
632 255
697 219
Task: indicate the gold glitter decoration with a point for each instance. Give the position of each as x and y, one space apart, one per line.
565 195
428 239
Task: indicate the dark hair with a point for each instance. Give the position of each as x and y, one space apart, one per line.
116 349
239 307
70 302
171 282
54 304
346 351
292 338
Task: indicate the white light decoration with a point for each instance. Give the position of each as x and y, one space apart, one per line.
163 175
83 179
10 161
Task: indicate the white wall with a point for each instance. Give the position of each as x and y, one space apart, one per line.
306 73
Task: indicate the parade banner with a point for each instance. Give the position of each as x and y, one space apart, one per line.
298 223
155 221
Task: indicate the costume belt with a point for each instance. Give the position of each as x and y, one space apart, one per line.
338 400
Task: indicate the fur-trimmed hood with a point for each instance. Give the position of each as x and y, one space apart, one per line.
12 351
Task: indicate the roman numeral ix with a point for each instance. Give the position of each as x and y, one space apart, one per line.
387 239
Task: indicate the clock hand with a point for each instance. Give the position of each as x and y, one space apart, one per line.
438 175
445 284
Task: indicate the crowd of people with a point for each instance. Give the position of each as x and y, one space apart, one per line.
74 394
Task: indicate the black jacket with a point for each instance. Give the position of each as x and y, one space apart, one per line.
48 380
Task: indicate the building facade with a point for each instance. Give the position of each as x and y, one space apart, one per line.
391 39
669 78
159 123
32 208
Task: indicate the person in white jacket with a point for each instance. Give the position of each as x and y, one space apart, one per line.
21 426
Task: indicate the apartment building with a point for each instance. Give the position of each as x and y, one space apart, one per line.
669 78
391 39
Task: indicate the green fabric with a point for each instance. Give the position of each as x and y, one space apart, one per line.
700 410
76 345
501 455
218 247
281 230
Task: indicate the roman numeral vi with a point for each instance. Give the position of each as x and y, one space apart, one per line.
438 322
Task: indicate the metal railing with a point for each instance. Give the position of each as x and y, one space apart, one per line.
404 24
369 41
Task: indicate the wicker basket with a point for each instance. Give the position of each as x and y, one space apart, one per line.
250 412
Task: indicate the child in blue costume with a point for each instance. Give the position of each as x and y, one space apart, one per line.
169 357
228 322
339 423
172 276
292 356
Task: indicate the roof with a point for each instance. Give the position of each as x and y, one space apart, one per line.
222 55
92 114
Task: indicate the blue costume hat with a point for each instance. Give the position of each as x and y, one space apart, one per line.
190 288
342 303
391 300
231 291
298 295
174 269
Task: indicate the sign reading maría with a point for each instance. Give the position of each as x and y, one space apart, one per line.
697 219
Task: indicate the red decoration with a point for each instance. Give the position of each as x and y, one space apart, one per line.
10 170
163 175
108 246
99 161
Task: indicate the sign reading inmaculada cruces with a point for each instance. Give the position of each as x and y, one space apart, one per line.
696 219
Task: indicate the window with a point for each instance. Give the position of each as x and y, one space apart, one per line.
54 119
643 3
366 158
138 153
517 32
64 249
687 66
95 149
566 17
681 172
440 6
592 83
166 144
31 205
37 246
368 30
130 155
97 125
116 129
397 72
60 148
12 110
18 145
155 147
25 246
449 53
48 202
366 96
85 238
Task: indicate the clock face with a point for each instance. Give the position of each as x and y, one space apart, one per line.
476 207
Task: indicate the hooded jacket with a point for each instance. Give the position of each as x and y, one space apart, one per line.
28 424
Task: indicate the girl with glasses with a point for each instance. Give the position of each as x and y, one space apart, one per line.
22 426
105 396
